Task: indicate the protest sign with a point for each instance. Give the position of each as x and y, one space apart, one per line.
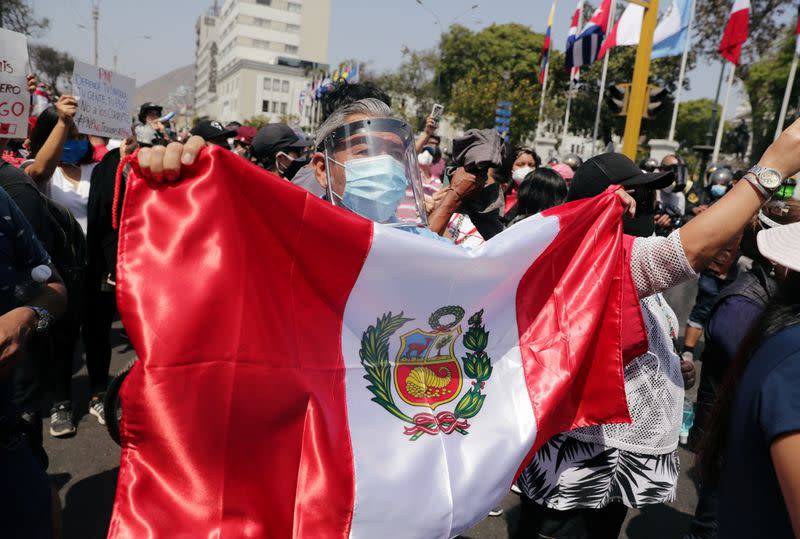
105 102
14 97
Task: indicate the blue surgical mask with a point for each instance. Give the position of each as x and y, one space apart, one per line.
74 151
718 191
374 186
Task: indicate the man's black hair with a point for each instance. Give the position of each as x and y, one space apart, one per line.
345 94
437 137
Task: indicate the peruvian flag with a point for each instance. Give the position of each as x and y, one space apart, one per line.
626 31
304 372
736 32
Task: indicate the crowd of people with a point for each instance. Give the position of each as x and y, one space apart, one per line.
736 231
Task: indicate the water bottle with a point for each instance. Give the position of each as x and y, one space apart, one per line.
688 419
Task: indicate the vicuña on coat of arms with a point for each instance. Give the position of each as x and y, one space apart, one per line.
427 371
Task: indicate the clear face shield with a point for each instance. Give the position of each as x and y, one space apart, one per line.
372 170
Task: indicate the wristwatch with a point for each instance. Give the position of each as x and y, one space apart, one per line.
43 318
766 180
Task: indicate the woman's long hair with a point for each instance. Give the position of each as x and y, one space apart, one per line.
781 312
540 190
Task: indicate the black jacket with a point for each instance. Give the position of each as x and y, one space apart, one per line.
101 238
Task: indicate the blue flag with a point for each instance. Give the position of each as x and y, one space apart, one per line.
671 33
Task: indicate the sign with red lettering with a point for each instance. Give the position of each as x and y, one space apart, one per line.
14 97
105 101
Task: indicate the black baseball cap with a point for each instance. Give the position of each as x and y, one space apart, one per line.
275 137
597 173
212 129
147 107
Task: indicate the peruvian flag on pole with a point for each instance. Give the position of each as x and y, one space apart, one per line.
736 32
304 372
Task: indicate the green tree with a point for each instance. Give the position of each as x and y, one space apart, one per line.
476 69
51 65
692 124
17 15
765 84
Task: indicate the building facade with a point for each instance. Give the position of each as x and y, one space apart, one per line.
253 58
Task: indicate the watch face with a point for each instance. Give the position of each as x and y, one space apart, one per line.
770 178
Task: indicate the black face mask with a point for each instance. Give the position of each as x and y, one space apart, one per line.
485 200
295 167
643 225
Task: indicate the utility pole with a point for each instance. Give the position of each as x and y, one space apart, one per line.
641 72
95 17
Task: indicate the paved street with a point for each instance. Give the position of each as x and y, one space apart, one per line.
84 470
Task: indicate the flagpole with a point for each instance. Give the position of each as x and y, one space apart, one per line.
681 75
544 94
600 95
566 115
787 94
603 76
546 73
721 127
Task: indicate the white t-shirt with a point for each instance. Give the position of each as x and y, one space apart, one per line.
74 197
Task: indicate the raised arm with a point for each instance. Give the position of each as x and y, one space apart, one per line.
709 232
46 159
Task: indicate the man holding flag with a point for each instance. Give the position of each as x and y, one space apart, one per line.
349 393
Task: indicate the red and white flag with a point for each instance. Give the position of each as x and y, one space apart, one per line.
626 31
304 372
736 31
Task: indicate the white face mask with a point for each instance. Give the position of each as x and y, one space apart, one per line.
519 174
425 159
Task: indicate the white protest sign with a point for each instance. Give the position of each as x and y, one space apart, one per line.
14 97
106 101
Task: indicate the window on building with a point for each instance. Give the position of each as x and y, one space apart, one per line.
291 49
275 107
294 7
264 2
261 44
265 106
268 83
285 86
292 27
264 23
284 107
276 85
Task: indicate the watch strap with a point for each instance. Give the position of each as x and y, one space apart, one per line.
43 318
751 177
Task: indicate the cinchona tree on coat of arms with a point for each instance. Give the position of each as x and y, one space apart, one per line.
427 372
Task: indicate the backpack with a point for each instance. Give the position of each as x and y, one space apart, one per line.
63 238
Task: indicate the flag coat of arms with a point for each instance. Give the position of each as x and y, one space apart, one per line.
304 372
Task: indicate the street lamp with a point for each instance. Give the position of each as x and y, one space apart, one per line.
441 30
116 48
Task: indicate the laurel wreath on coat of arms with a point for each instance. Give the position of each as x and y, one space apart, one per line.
477 366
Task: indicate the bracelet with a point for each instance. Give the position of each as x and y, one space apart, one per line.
751 178
460 199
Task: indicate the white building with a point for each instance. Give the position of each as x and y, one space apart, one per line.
253 57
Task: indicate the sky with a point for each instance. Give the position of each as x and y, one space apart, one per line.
374 31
